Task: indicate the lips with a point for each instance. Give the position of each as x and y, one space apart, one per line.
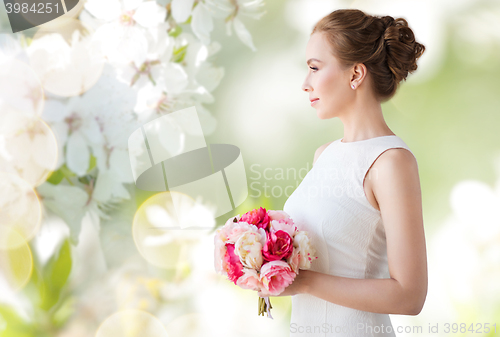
314 101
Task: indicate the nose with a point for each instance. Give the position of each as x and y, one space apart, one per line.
305 86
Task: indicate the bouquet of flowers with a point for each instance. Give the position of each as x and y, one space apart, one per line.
262 251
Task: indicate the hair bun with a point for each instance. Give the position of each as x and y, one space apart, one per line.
385 45
402 49
388 21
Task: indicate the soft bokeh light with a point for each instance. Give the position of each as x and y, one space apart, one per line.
131 323
162 236
20 207
67 62
228 310
20 87
28 146
477 207
16 261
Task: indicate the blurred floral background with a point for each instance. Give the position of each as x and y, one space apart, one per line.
72 259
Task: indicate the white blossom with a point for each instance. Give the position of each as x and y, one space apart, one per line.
98 123
125 35
27 146
202 23
65 69
231 10
181 9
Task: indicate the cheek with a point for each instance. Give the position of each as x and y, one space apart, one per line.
330 83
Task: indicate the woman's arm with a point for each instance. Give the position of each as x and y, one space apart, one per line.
397 190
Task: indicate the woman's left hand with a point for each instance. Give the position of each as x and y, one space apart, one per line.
296 287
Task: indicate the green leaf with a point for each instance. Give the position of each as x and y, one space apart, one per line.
179 54
67 172
85 179
11 325
176 31
56 177
58 268
31 290
55 275
64 312
92 163
64 172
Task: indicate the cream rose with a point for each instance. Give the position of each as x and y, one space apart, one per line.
293 260
249 248
302 244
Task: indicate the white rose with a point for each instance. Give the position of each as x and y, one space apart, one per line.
294 260
306 252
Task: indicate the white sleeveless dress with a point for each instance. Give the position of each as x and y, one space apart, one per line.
347 232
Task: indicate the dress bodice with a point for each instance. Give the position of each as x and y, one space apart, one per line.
346 230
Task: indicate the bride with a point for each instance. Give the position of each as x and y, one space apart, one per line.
361 201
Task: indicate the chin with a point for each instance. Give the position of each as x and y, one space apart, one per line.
321 116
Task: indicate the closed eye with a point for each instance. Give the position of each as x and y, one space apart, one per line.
313 68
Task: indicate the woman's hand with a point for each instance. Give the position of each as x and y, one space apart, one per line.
298 286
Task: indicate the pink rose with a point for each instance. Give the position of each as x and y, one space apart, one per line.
249 280
223 231
279 245
278 215
232 261
222 236
229 234
237 229
283 225
275 277
257 217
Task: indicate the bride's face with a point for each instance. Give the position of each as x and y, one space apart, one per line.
327 81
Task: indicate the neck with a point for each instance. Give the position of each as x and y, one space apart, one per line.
364 120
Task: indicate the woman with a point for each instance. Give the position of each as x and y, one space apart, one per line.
361 201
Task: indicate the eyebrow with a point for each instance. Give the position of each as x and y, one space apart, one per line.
311 60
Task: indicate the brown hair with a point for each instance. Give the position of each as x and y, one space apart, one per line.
386 46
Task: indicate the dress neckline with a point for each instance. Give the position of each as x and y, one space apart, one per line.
364 140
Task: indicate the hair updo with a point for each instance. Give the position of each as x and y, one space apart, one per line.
386 46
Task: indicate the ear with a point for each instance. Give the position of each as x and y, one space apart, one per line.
358 74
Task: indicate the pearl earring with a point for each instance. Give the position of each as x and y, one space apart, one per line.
352 86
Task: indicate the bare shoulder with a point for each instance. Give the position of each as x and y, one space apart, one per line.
320 150
396 159
395 169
